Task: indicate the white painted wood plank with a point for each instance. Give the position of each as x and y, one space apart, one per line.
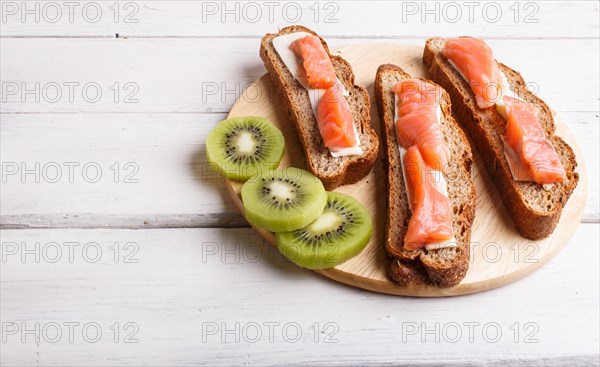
207 75
166 155
188 286
110 170
539 19
586 127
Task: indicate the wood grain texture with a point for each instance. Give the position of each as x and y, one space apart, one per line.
332 19
185 278
169 151
492 263
152 171
209 75
180 282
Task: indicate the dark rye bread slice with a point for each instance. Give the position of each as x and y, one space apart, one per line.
444 267
296 104
535 210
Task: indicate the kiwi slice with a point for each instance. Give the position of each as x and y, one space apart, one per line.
242 147
283 200
341 232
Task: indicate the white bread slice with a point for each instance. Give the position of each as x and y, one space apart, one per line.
535 210
444 267
296 104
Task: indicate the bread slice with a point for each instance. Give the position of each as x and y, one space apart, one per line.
534 209
296 104
444 267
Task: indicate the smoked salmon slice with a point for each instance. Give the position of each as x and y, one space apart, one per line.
475 61
431 220
530 156
334 118
538 160
320 73
419 135
418 105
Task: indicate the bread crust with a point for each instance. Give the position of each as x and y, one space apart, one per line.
534 211
332 171
444 267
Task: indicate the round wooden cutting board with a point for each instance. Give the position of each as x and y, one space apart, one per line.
499 255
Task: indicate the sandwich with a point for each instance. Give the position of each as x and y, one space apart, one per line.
330 114
429 183
511 128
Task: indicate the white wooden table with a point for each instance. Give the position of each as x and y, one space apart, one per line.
120 247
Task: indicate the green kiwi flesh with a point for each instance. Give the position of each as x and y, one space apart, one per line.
242 147
341 232
283 200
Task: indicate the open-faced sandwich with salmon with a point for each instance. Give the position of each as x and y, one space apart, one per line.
430 189
330 114
511 128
